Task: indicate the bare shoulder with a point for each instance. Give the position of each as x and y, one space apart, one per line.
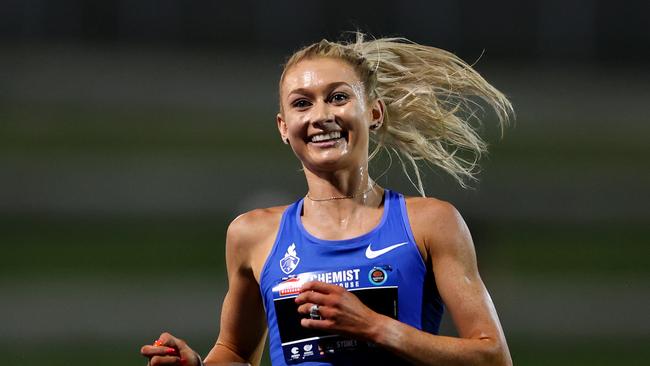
255 223
254 226
436 224
251 235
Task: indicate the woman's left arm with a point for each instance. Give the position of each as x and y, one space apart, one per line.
447 243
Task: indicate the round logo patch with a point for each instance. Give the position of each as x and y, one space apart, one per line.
377 276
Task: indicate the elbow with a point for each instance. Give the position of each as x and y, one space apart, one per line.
502 359
497 354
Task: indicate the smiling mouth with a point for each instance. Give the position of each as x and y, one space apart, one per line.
332 136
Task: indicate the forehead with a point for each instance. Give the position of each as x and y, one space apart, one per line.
319 72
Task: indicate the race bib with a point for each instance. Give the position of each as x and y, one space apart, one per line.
375 286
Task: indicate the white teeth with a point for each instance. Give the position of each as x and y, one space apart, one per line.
326 136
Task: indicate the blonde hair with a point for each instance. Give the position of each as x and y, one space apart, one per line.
430 101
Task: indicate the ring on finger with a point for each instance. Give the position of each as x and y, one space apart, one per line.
314 313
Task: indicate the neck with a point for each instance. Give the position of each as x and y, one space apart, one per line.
343 201
353 184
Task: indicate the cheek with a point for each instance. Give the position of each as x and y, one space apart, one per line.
358 118
295 123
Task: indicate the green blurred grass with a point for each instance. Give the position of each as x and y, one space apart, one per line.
43 129
563 249
130 246
579 352
86 246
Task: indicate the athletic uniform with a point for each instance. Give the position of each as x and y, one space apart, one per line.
382 267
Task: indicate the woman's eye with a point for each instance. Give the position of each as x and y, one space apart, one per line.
339 98
300 103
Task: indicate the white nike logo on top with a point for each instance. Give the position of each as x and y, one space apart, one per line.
370 254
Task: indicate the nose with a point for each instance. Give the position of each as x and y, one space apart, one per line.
322 114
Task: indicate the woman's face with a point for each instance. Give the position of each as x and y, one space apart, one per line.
325 114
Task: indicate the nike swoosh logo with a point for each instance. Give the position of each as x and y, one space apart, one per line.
370 254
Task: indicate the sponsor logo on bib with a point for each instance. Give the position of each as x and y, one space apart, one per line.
377 276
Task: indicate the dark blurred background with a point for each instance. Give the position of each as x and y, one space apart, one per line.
132 132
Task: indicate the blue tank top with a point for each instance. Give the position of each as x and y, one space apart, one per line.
382 267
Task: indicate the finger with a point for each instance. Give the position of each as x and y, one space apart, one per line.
318 286
305 308
165 360
189 357
313 297
150 351
316 324
323 310
186 354
167 339
170 341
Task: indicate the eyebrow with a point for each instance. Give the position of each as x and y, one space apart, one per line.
329 87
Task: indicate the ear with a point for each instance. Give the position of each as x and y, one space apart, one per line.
282 127
377 110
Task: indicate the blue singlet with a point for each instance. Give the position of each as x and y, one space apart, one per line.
382 267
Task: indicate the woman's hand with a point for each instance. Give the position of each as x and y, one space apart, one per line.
169 350
341 311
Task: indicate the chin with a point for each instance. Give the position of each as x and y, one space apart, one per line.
324 165
331 163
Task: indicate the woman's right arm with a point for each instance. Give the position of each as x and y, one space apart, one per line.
243 322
